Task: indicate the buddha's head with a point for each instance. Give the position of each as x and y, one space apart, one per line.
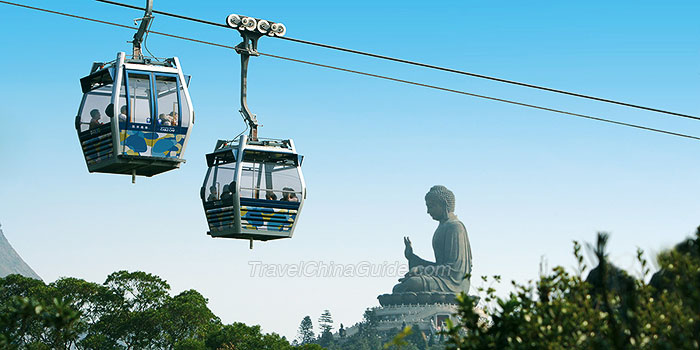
440 202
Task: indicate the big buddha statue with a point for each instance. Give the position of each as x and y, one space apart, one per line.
438 281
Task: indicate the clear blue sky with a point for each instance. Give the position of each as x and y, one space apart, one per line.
527 182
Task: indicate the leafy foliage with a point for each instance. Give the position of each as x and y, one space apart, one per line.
326 324
366 336
399 340
242 337
609 310
131 310
305 335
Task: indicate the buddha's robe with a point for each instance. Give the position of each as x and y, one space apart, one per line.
453 261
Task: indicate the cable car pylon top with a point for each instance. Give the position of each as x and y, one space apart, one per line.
251 29
143 28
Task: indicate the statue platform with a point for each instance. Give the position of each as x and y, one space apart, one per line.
422 298
428 317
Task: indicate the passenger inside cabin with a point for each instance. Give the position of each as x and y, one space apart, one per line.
213 194
174 118
226 193
122 114
271 196
288 195
109 111
164 120
95 121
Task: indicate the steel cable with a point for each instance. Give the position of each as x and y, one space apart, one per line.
637 126
426 65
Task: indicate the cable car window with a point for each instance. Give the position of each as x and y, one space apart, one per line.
218 184
185 108
139 98
286 178
251 180
123 110
93 111
270 180
168 104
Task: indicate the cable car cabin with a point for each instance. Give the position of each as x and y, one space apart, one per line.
253 189
135 116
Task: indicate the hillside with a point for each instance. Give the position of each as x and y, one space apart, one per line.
11 262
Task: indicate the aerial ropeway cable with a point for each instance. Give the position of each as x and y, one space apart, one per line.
254 188
590 117
432 66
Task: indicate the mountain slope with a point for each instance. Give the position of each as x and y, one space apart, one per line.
11 262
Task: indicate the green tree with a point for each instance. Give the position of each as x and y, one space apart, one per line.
131 310
89 299
21 316
309 347
366 338
60 321
139 290
186 316
34 315
325 321
400 340
611 311
135 320
305 334
98 341
368 334
20 286
18 325
190 344
418 338
240 336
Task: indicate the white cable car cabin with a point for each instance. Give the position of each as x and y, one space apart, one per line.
135 117
253 190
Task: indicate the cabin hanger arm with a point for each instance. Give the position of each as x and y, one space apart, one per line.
145 23
251 30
